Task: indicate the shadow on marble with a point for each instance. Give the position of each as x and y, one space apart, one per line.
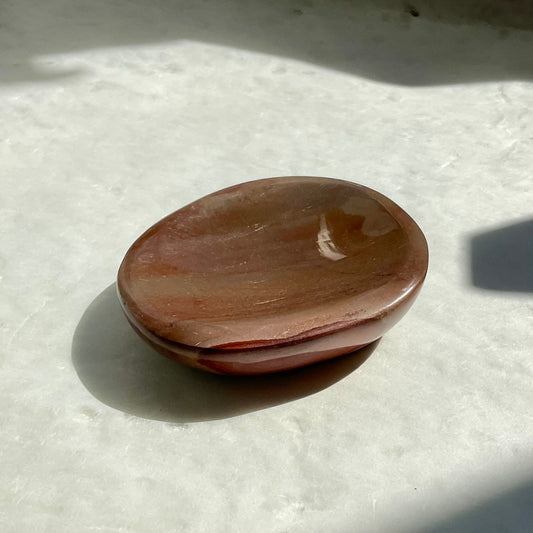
420 42
119 369
511 511
507 509
502 258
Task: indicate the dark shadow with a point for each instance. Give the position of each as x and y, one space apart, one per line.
511 512
502 259
119 369
418 42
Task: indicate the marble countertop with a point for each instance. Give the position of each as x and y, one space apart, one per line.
114 114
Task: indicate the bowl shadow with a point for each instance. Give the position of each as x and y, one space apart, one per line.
122 371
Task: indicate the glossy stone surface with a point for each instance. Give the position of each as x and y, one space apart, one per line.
273 274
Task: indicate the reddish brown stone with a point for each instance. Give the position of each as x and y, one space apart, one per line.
273 274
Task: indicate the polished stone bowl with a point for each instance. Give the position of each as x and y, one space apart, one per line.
273 274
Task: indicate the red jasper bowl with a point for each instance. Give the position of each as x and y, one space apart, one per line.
273 274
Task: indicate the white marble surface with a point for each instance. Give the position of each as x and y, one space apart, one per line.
115 113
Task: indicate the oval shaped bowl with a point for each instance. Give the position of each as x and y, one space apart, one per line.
273 274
